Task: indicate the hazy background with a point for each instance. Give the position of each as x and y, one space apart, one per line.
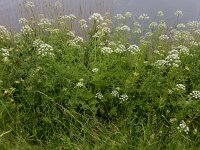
10 10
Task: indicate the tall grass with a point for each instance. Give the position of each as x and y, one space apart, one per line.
116 87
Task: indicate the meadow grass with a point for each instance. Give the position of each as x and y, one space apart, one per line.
101 83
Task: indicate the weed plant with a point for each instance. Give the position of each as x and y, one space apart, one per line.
109 86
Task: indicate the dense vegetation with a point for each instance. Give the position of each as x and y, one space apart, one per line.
115 84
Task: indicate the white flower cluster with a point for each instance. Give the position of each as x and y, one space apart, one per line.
143 17
163 37
26 30
153 25
95 70
103 30
128 15
23 21
120 49
195 94
115 93
44 22
58 4
125 16
123 28
29 4
37 43
184 127
180 87
106 30
197 31
119 17
76 42
123 98
80 83
106 50
99 95
178 13
172 59
160 13
70 17
4 33
5 54
83 23
182 35
134 49
193 25
180 25
43 49
162 25
148 34
96 17
137 27
183 49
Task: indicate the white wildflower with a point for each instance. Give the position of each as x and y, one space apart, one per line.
195 131
5 54
143 17
180 87
172 120
44 22
160 13
149 34
106 30
193 24
162 25
161 63
128 14
29 4
106 50
80 83
95 70
115 93
96 17
184 49
120 49
37 43
58 4
123 97
119 17
83 23
195 94
123 28
27 30
99 95
133 49
45 50
72 17
23 21
178 13
184 127
153 25
181 25
4 33
164 37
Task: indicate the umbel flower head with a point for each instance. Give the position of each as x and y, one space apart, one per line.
96 17
29 4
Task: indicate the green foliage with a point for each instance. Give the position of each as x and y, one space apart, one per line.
59 91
